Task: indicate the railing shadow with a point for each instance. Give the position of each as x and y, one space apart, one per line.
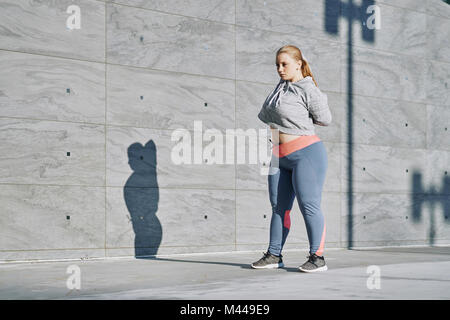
432 197
334 10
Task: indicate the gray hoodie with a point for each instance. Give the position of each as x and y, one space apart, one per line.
294 107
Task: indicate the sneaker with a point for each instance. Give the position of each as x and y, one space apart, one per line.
268 261
315 263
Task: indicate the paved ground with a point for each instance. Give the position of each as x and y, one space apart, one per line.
405 273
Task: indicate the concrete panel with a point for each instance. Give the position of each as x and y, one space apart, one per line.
254 155
157 40
436 214
254 213
437 85
250 97
438 127
256 53
382 169
334 170
51 88
163 217
160 170
386 122
385 75
41 27
387 243
166 100
51 217
170 250
406 4
436 178
438 8
438 36
289 16
401 31
383 218
51 254
254 175
35 152
216 10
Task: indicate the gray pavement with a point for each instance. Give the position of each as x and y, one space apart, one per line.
405 273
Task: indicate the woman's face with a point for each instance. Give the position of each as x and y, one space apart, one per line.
287 67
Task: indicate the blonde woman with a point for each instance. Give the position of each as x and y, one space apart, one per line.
291 110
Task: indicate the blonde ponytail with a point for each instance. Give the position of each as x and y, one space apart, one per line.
306 71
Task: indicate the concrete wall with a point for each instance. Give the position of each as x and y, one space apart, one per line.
86 118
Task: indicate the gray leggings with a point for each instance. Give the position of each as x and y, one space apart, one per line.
301 169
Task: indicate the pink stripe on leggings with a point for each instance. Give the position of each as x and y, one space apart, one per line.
319 251
287 219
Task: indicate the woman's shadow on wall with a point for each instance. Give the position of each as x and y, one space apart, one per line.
141 194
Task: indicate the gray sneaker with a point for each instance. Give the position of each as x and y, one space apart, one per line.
268 261
314 264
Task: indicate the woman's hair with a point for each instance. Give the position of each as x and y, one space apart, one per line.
296 54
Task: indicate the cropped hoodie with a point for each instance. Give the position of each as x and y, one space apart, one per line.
294 107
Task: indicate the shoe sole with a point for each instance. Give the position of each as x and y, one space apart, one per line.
324 268
269 266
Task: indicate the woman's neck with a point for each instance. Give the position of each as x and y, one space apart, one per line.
298 78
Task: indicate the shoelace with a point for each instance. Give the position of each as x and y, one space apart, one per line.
313 258
267 254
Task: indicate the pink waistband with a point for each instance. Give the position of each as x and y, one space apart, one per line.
301 142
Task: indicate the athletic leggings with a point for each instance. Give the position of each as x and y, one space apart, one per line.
297 169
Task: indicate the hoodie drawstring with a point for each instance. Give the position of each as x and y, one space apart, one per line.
279 92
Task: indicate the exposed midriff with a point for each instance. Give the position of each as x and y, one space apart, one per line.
280 137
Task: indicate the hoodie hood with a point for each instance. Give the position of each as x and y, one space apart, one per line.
303 81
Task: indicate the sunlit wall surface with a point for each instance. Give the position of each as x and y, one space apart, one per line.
95 97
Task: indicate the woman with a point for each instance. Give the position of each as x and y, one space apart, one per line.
291 110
